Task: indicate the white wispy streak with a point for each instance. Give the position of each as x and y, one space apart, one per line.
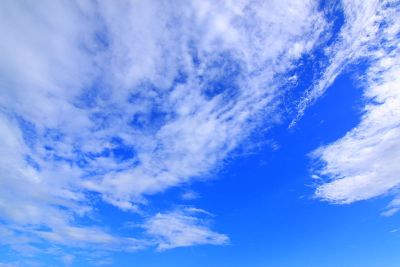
181 228
359 31
175 86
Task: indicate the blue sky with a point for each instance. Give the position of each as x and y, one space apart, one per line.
200 133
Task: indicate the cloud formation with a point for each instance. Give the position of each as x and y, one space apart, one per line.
364 163
120 101
181 228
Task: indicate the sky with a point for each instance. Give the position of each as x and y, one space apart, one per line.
200 133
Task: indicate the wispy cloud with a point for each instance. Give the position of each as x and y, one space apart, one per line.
125 100
364 163
182 228
357 34
189 195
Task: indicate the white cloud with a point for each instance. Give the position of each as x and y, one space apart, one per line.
200 130
128 99
364 163
359 31
189 195
182 228
125 100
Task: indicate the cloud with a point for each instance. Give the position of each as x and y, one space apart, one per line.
359 30
182 228
364 163
120 101
189 195
189 127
